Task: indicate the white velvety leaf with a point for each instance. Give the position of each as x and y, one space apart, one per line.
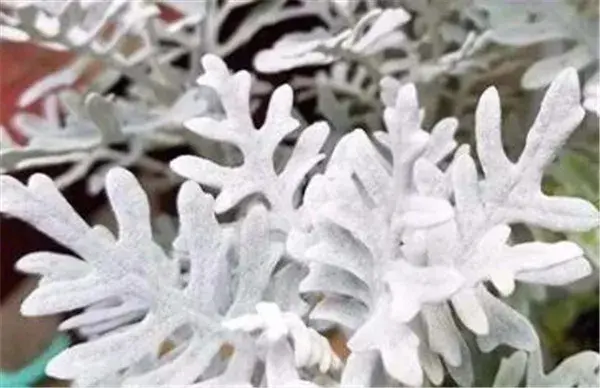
380 30
470 211
361 368
396 343
238 372
463 374
284 286
432 365
201 170
430 180
580 370
77 131
352 206
257 261
75 360
324 278
441 142
374 32
357 152
441 244
352 217
525 34
56 297
42 205
506 326
183 370
470 311
511 192
489 135
555 213
270 325
423 212
130 309
559 274
559 115
443 335
537 255
412 286
493 260
511 370
257 175
280 370
53 265
204 243
338 249
341 310
544 71
407 138
131 268
297 50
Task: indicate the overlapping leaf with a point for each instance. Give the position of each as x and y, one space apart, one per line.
257 174
579 370
134 297
82 132
361 209
527 23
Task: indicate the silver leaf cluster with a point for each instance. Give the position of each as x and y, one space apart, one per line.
382 225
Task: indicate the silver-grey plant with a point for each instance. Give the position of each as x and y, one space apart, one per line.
404 241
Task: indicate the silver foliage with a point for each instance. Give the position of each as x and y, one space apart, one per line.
580 369
257 174
133 291
457 234
395 223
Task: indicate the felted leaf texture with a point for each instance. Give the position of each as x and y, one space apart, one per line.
523 24
511 191
121 275
389 240
257 174
476 240
414 250
270 327
136 297
373 33
364 206
579 370
81 131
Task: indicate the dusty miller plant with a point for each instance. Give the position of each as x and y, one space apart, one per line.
404 214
